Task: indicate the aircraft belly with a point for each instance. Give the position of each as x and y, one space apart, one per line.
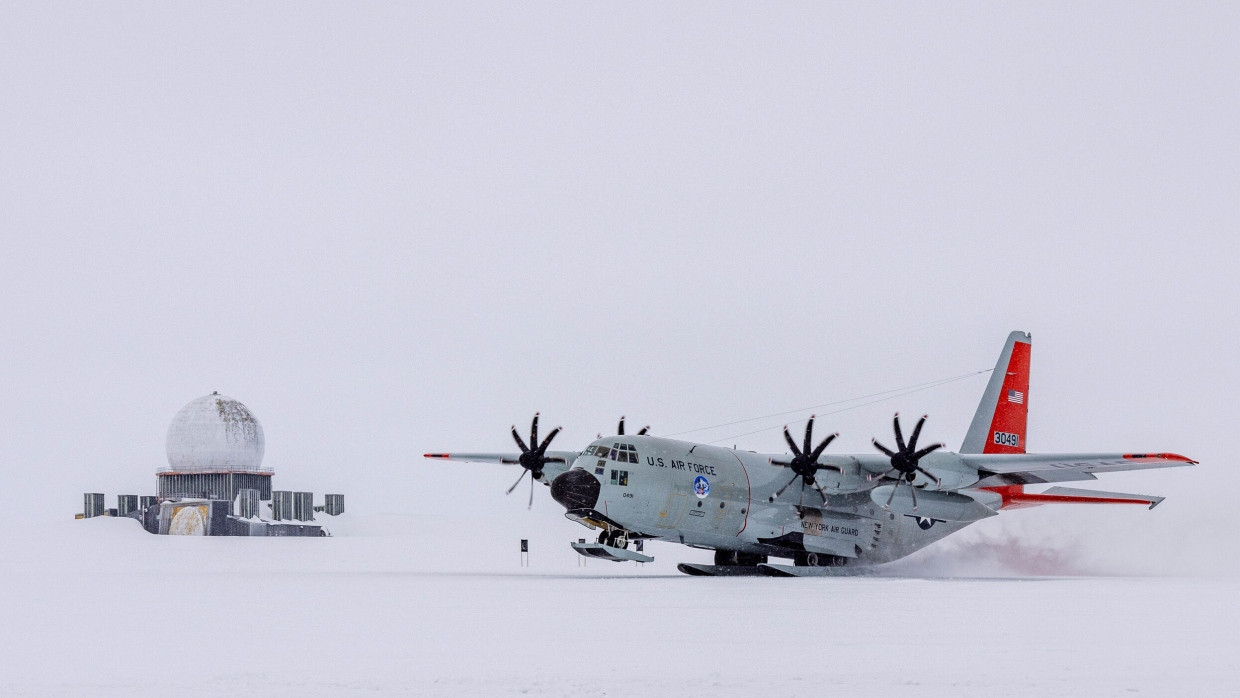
908 534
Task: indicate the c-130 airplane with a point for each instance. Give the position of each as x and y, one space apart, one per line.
849 510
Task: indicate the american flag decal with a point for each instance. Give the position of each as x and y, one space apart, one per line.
1016 396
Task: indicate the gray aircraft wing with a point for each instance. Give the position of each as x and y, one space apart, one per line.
1032 468
565 457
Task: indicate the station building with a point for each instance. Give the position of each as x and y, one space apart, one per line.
215 482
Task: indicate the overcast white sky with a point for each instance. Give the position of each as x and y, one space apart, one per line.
397 228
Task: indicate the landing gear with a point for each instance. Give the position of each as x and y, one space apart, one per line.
732 558
810 559
615 538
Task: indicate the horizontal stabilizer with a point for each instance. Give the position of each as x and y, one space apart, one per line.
1033 468
1015 497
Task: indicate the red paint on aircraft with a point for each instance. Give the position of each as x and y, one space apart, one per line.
1156 457
1007 427
1015 497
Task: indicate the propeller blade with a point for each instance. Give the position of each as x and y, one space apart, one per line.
937 482
820 491
872 478
913 491
892 495
883 448
781 489
531 504
517 437
895 422
801 499
514 485
912 442
822 447
791 444
809 435
644 430
927 449
534 432
620 429
547 441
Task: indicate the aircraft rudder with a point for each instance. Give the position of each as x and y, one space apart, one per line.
999 425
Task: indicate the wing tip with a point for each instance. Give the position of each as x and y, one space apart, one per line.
1160 456
436 455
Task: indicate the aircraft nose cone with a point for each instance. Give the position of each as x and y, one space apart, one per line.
575 489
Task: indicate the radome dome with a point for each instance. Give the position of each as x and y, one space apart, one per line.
215 433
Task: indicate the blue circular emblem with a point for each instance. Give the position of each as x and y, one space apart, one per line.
701 487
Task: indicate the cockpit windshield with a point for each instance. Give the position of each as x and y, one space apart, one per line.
619 452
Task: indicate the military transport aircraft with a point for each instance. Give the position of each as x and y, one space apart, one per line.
860 509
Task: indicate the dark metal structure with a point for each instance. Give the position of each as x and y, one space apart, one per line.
303 506
126 504
174 484
92 505
333 504
247 503
282 505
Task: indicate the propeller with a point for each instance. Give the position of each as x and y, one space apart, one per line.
804 463
533 457
905 460
620 429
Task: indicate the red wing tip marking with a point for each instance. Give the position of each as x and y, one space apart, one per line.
437 455
1159 456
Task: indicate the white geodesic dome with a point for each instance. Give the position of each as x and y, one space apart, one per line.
215 433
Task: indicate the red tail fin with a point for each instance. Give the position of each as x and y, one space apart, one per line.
999 426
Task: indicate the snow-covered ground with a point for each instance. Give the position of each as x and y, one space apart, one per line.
387 607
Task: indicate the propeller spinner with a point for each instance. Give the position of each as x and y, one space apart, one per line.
804 463
533 457
905 460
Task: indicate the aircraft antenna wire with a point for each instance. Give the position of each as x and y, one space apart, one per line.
880 396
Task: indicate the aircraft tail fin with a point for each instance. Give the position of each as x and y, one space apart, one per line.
999 424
